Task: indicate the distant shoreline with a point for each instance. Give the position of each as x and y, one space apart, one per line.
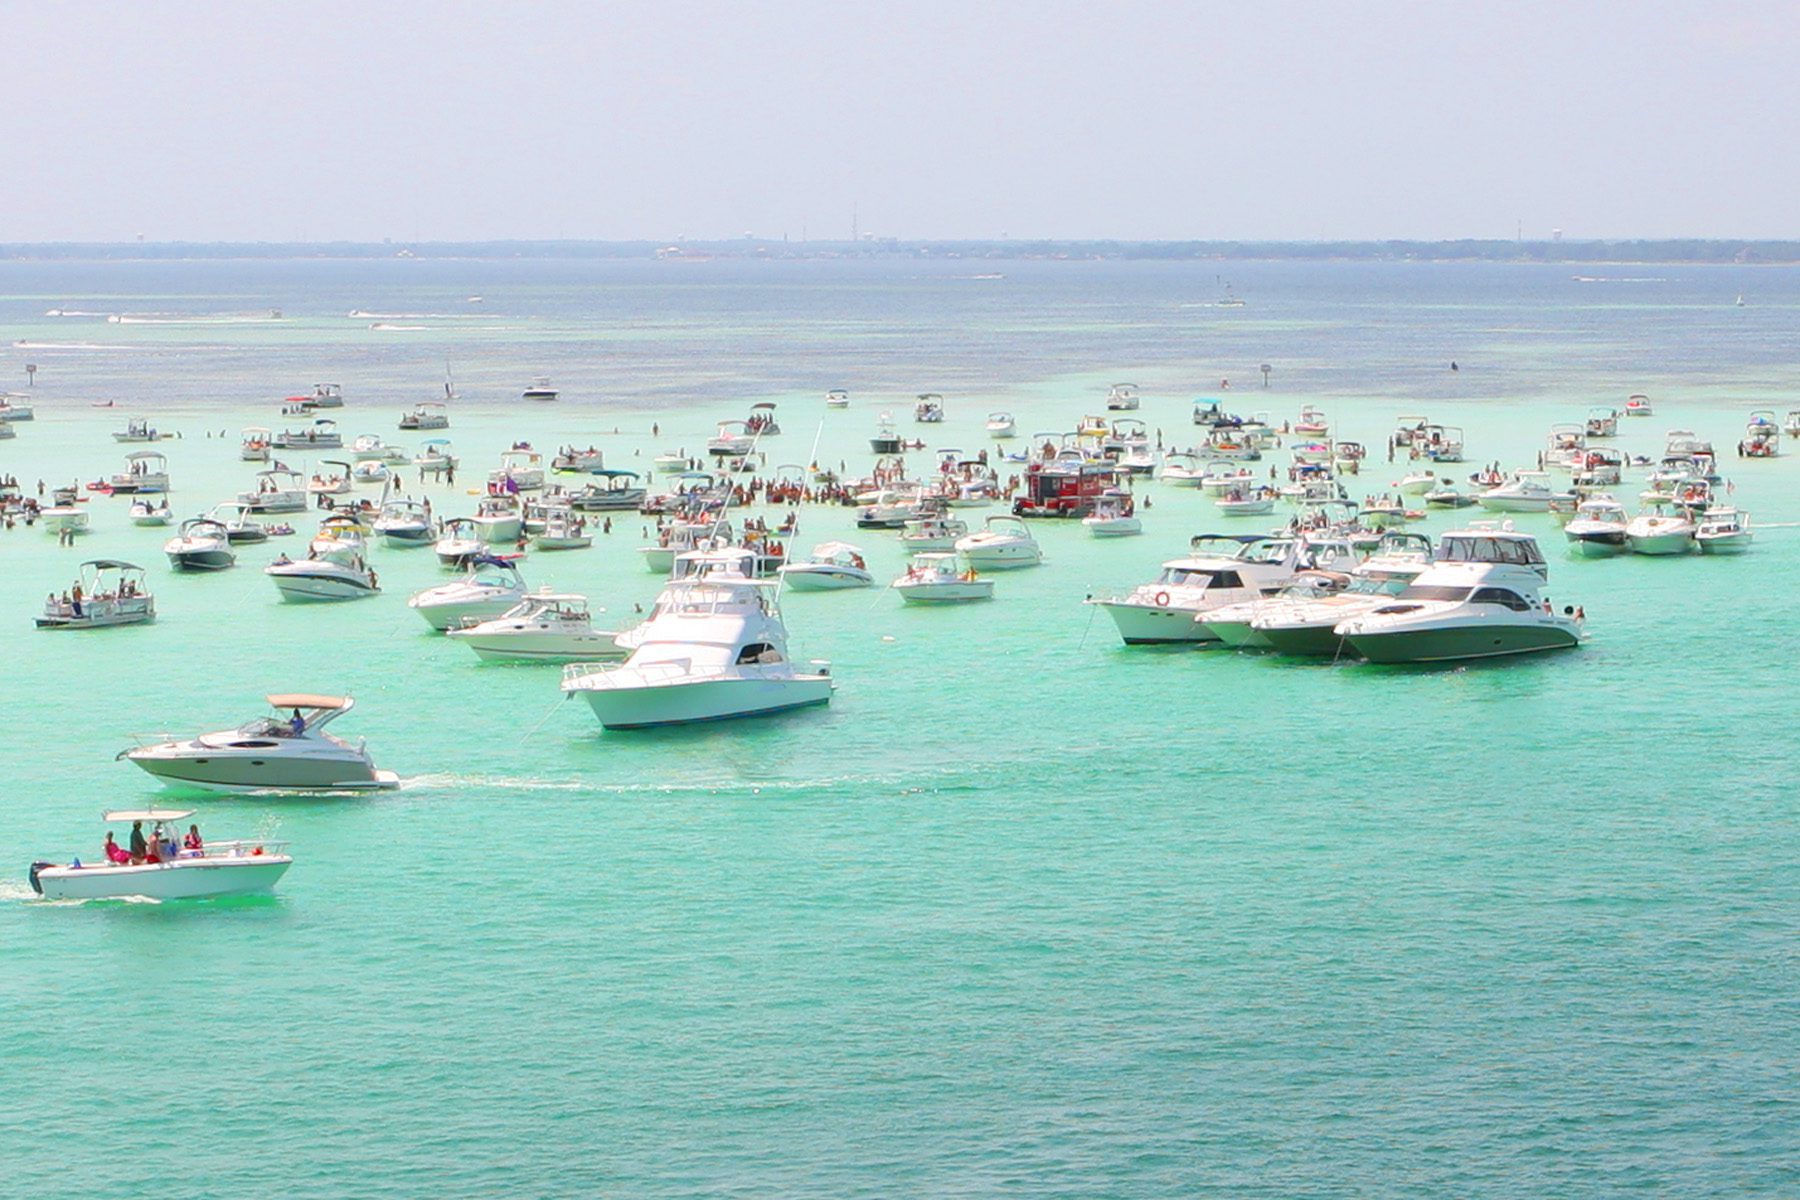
1672 252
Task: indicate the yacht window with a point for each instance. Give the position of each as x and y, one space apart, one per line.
758 652
1435 591
1504 596
1514 552
1223 579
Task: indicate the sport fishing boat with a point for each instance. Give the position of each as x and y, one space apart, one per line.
886 439
1004 543
201 544
323 576
545 626
107 592
832 566
713 648
935 578
1723 530
491 587
179 869
274 753
1464 610
1218 570
1598 527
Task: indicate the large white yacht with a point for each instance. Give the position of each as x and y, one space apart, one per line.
289 751
181 869
1218 570
713 648
491 587
543 627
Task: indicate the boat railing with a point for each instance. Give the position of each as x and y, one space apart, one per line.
609 676
242 848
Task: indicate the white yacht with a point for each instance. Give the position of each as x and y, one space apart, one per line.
498 520
1461 610
403 523
1309 627
1000 426
832 566
184 867
523 469
1723 530
201 544
713 648
107 592
318 578
1526 491
545 626
1235 625
932 532
539 390
936 578
491 587
1598 528
1114 515
278 753
1659 531
1218 570
458 542
1004 543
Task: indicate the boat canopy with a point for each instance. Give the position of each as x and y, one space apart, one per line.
111 564
310 700
147 814
615 473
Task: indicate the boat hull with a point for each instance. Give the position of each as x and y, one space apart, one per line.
540 647
1447 644
201 560
217 771
312 589
802 579
1146 625
1733 543
1316 640
197 879
707 700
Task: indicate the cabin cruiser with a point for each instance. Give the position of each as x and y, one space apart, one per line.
1658 531
519 471
1723 530
240 525
1597 530
499 519
1004 543
151 512
201 544
540 390
935 578
1000 426
65 516
427 414
278 490
274 753
1235 624
544 626
458 541
1307 627
1218 570
323 576
322 434
178 865
932 532
930 408
1526 491
837 398
490 588
713 648
832 566
137 429
434 457
405 523
255 446
1114 515
145 471
1459 610
107 592
563 529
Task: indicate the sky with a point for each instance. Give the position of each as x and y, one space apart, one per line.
217 120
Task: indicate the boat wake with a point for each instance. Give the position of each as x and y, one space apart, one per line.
67 346
73 312
358 314
391 328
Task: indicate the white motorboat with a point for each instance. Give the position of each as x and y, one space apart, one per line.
1420 483
335 483
936 578
145 471
762 420
201 544
837 398
892 508
672 540
427 414
435 458
1762 437
342 538
317 578
137 429
287 752
1219 570
571 460
368 447
1464 610
519 471
1602 421
1122 397
1183 470
1308 627
278 490
322 434
1254 502
671 464
1658 531
107 592
886 440
404 523
1598 528
932 532
489 589
370 471
498 520
255 446
563 529
1235 625
151 513
1447 495
176 865
458 542
832 566
1004 543
1114 515
1723 530
1525 491
1000 426
539 390
543 627
1223 476
241 526
714 648
930 408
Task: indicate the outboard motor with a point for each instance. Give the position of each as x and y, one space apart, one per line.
33 876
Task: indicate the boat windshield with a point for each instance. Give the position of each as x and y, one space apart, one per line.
1482 548
1190 577
1374 585
1436 591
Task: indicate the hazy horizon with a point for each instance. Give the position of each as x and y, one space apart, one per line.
209 122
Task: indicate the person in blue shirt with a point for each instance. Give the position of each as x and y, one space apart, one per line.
297 724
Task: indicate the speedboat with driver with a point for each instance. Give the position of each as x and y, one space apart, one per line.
177 864
491 587
282 752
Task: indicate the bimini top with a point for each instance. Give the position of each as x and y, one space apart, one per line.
309 700
111 564
147 814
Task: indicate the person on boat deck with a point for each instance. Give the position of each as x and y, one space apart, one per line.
137 842
297 723
192 840
114 852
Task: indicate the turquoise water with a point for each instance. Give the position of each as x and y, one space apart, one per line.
1022 911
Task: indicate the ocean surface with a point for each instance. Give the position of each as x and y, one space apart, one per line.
1023 911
